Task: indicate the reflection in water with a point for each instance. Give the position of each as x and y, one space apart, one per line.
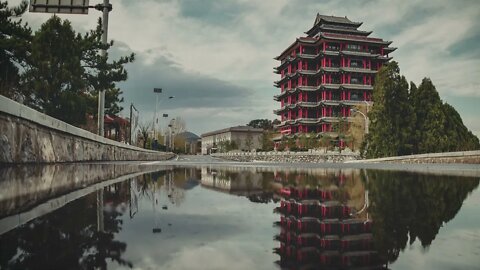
171 218
407 206
323 223
68 238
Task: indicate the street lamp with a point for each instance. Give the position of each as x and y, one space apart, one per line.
171 142
353 110
157 91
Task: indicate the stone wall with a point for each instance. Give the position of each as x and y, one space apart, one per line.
466 157
289 157
28 136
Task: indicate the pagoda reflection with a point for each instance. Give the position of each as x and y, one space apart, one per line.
324 222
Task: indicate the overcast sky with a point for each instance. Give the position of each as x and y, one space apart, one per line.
216 56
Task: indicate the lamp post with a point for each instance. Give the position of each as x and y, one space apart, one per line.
131 120
155 119
171 136
364 116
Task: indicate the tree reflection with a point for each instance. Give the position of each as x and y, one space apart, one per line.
67 238
408 206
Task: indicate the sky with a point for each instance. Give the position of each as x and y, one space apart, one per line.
216 56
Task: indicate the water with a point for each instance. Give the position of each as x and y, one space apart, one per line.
223 217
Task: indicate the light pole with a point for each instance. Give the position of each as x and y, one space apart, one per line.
364 116
107 7
155 119
171 138
131 120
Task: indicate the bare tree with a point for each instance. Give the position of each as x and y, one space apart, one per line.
144 130
178 125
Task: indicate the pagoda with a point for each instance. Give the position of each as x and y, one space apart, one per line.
325 74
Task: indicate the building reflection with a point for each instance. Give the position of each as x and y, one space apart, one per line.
324 222
397 208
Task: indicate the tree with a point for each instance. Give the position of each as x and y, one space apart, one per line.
66 71
178 125
430 118
15 38
266 141
391 115
102 73
55 73
261 123
144 130
459 138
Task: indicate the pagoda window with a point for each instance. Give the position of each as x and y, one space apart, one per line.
356 63
309 50
356 79
335 78
335 62
332 47
353 47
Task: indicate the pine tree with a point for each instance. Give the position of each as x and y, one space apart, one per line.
429 133
391 115
459 138
55 73
101 73
66 71
14 41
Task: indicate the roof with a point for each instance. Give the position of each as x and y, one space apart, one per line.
233 129
189 136
334 19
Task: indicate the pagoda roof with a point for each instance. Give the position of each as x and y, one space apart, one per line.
329 28
335 19
354 38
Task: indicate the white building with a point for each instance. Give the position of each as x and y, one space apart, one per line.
246 138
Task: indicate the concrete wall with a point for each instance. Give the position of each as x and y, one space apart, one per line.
467 157
28 136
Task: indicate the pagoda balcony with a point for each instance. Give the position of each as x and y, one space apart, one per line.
309 120
329 69
330 102
330 119
308 104
384 58
307 72
351 31
331 36
329 53
308 88
358 70
307 56
284 109
330 86
354 102
356 86
359 53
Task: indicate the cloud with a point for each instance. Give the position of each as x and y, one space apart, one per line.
218 55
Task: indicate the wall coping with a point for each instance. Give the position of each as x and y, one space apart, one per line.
421 156
16 109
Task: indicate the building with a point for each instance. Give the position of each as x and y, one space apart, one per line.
326 73
244 138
